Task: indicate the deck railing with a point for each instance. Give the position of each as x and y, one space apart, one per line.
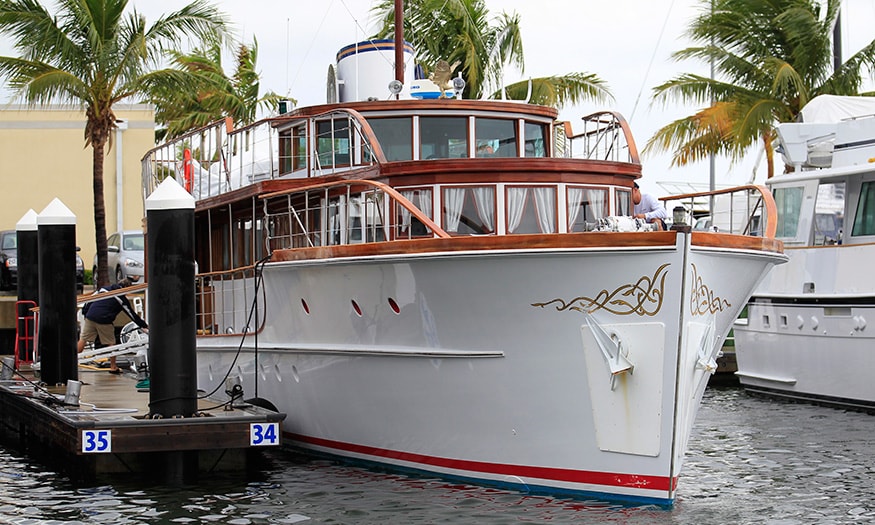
342 212
744 210
225 302
216 158
606 136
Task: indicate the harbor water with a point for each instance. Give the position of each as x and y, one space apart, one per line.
750 460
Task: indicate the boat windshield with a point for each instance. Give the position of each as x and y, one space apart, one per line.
864 219
789 204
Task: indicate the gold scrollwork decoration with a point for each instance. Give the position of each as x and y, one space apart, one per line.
643 297
702 299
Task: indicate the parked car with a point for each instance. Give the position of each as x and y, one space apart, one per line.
8 260
9 263
125 254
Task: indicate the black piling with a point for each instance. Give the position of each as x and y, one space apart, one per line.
28 284
171 313
56 240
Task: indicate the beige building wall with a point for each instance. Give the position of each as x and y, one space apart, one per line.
43 156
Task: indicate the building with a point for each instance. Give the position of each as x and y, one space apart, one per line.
43 156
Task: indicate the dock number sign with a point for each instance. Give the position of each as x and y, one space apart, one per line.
96 441
264 434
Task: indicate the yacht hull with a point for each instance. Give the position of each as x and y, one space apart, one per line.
495 366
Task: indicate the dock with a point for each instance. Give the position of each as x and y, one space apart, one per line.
110 432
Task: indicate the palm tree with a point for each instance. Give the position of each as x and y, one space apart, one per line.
771 57
217 95
460 30
93 53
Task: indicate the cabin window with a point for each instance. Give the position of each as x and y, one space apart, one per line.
495 137
332 143
789 204
864 219
531 209
410 226
469 210
336 221
299 148
443 137
535 145
395 135
356 219
285 151
585 205
829 213
624 202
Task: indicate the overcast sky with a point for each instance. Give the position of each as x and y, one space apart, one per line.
625 42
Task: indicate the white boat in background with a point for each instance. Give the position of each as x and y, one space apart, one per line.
806 335
414 300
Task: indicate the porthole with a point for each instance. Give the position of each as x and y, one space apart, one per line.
394 306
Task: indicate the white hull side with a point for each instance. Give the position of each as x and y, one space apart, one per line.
815 346
472 379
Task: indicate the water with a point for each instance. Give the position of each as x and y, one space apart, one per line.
750 461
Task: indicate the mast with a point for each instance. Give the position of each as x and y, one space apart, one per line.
837 42
399 42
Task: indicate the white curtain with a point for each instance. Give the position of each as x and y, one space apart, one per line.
597 200
425 203
419 198
454 198
575 199
484 198
516 205
545 204
405 213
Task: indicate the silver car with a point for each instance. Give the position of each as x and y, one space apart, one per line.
125 256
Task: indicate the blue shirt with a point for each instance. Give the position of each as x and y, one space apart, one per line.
104 311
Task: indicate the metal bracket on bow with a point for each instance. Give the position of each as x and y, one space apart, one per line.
707 360
612 349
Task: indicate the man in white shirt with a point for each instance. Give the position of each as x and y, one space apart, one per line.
648 207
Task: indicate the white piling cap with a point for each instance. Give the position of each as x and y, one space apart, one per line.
27 222
56 213
169 195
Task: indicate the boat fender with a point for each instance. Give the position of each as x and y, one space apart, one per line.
263 403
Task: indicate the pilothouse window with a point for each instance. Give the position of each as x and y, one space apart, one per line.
443 137
535 134
395 135
333 143
496 137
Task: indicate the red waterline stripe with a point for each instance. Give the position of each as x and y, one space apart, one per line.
555 474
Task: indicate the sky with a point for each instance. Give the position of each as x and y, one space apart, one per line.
627 43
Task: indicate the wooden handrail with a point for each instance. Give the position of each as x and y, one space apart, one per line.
766 198
400 199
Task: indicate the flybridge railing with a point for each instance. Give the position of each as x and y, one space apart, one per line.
216 158
743 210
606 136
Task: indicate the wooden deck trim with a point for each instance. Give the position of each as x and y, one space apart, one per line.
522 243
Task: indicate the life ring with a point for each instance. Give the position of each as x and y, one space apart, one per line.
187 169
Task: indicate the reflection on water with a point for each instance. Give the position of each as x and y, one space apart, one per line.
750 460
